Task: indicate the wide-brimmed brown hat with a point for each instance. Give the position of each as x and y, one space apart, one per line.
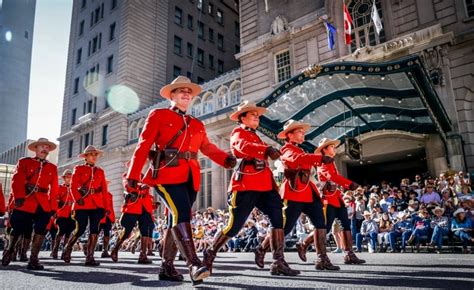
326 142
291 125
90 150
246 106
180 82
42 141
67 172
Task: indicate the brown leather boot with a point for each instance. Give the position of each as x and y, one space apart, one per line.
183 237
279 265
210 253
91 243
9 250
302 247
167 269
121 239
105 250
66 238
17 250
25 245
261 250
34 264
350 257
68 248
149 251
55 250
142 258
322 262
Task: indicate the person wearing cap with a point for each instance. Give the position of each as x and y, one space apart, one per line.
440 226
462 228
300 194
89 189
106 223
252 185
34 188
401 229
369 229
177 137
64 219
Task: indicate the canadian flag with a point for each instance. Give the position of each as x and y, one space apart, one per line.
347 23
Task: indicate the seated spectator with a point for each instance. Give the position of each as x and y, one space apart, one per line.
385 227
440 226
421 228
401 229
430 197
412 206
369 229
250 241
399 201
393 213
462 228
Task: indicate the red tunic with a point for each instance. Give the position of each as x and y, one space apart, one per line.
46 179
65 197
145 200
293 157
2 202
329 172
246 144
160 127
93 178
110 205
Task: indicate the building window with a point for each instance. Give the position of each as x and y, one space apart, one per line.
79 56
95 43
89 106
210 8
363 33
76 85
81 28
282 65
211 35
208 104
235 93
190 22
92 19
110 64
211 61
237 48
200 59
200 80
190 50
178 16
196 108
87 139
177 45
112 32
237 29
83 4
97 15
73 116
220 17
100 41
189 75
199 4
102 11
220 41
205 194
176 71
70 146
469 8
105 130
200 30
113 5
222 97
220 66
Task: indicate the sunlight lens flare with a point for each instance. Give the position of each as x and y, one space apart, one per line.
123 99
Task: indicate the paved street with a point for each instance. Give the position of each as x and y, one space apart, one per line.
236 270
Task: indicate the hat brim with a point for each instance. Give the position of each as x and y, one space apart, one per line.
235 115
304 126
327 143
83 155
32 146
165 91
438 209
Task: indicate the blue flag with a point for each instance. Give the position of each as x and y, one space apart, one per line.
331 31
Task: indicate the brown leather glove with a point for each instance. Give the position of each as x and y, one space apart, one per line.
80 201
132 185
230 161
326 159
272 152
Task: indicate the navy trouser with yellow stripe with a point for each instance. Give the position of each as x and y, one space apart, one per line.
241 204
293 209
179 199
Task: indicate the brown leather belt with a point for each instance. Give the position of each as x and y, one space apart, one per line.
95 190
187 155
37 188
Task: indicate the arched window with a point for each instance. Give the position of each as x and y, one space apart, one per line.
363 32
140 125
222 97
208 103
196 109
132 133
235 92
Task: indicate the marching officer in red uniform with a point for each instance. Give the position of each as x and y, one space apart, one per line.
64 221
34 189
2 202
175 172
137 207
299 193
252 185
89 188
332 196
106 223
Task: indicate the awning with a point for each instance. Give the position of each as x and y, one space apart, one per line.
352 98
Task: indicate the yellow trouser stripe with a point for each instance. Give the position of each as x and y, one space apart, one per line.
285 206
231 213
169 200
325 207
76 229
